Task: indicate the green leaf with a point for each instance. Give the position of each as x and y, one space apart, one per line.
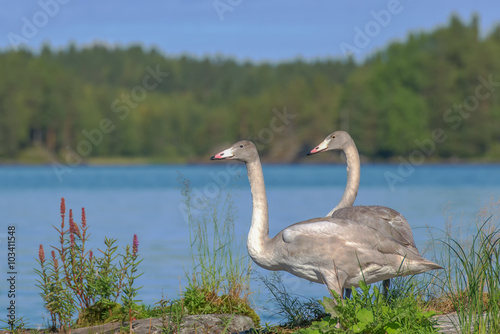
392 328
429 314
364 315
385 310
328 304
358 328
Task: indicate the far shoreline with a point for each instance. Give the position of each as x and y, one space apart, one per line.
120 162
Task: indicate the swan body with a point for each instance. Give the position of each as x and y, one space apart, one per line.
333 251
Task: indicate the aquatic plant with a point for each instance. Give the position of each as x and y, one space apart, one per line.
75 278
129 268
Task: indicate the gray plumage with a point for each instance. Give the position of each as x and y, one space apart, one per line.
333 251
382 219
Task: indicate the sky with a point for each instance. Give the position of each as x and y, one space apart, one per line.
256 30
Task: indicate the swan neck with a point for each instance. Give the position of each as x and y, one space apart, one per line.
258 236
353 177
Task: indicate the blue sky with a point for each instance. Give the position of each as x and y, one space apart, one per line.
246 29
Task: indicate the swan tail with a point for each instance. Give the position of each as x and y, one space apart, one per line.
424 265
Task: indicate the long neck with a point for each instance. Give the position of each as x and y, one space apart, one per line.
353 176
258 236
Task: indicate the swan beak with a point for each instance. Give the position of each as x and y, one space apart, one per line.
320 148
227 154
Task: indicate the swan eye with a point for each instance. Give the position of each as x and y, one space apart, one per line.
241 146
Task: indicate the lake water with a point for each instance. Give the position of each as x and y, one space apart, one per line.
146 200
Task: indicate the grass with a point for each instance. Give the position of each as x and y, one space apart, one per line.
219 281
293 310
470 283
368 311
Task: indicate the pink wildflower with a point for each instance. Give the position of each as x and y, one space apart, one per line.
63 212
63 206
56 264
73 228
135 245
84 219
41 254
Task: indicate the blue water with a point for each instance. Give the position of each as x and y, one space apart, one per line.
146 200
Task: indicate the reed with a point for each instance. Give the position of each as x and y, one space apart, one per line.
470 283
219 278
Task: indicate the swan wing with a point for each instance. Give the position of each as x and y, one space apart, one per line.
344 233
314 227
380 217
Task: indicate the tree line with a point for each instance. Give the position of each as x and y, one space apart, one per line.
437 92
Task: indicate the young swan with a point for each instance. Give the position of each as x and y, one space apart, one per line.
331 251
384 219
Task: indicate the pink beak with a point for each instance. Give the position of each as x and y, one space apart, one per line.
320 148
218 156
314 150
227 154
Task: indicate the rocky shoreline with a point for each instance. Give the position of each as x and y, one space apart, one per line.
210 324
206 324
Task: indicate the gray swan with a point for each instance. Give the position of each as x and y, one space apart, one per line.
382 218
332 251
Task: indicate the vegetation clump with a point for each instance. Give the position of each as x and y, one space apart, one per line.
220 277
74 279
470 283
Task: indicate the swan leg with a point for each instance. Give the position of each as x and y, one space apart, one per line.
385 287
333 283
347 293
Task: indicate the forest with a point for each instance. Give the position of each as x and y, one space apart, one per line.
437 92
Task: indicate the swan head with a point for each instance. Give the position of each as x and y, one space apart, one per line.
337 140
243 150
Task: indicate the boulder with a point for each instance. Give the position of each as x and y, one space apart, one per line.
202 324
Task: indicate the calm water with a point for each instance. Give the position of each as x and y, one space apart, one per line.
121 201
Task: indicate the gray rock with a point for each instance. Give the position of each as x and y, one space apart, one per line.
202 324
448 323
